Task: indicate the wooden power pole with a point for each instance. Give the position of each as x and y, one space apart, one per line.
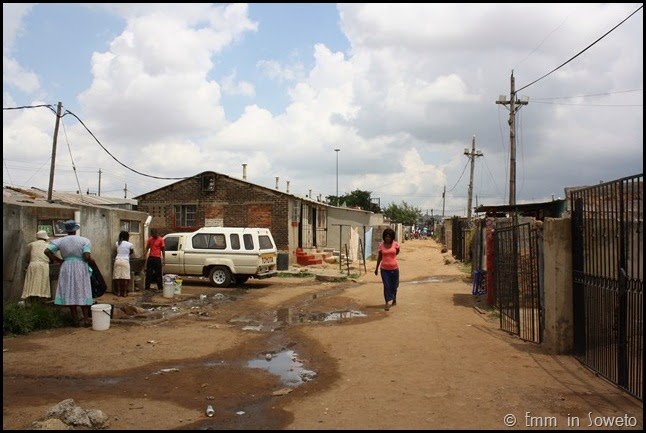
51 169
472 156
513 105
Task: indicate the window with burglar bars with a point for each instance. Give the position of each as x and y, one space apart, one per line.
130 226
185 215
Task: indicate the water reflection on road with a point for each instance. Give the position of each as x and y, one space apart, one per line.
286 365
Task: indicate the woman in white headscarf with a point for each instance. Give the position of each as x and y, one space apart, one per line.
37 284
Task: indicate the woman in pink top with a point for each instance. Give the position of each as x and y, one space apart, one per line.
387 258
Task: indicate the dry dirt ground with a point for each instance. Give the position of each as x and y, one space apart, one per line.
336 360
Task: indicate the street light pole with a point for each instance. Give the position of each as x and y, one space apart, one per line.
337 175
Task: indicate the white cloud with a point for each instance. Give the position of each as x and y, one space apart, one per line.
402 102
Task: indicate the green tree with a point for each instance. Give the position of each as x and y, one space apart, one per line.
356 198
404 213
332 200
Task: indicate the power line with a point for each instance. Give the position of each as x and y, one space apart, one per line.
93 136
30 106
582 51
463 170
589 105
493 180
4 161
119 162
69 149
543 41
587 96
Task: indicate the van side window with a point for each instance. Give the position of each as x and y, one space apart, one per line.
201 241
171 243
265 242
235 241
218 241
248 241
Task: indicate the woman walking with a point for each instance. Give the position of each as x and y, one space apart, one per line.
387 259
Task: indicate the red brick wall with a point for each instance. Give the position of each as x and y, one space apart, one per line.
237 203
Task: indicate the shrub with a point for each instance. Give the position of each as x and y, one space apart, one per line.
20 318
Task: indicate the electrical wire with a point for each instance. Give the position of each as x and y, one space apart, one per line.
69 149
30 106
589 105
121 163
463 170
580 52
4 162
543 41
588 96
493 180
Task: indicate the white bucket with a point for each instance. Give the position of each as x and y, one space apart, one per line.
169 289
101 314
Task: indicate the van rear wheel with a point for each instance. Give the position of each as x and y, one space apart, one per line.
220 277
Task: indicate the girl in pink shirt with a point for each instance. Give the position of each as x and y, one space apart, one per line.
387 258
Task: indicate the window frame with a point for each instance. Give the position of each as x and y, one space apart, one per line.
182 212
53 226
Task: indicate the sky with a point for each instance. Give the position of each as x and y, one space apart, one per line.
154 93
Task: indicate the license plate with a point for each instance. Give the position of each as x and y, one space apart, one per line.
267 258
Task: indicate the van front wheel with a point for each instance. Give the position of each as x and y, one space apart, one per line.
220 277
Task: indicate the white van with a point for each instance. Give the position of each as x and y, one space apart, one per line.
226 255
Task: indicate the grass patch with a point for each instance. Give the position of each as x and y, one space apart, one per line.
19 318
465 267
348 277
300 274
493 313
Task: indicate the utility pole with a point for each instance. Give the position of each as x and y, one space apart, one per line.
51 169
99 194
433 220
337 177
513 105
443 200
125 191
472 156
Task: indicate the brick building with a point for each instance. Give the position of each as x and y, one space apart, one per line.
214 199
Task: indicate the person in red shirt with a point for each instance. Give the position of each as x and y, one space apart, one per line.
156 251
387 258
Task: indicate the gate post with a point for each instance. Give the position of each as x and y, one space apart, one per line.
490 261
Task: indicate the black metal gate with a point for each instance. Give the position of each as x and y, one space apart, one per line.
516 281
607 267
459 229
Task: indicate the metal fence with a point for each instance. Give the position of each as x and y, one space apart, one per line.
516 280
459 231
607 261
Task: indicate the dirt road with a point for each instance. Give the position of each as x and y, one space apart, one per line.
334 360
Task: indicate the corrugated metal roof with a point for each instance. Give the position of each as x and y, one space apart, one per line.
36 194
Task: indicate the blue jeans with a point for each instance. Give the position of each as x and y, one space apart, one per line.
390 279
